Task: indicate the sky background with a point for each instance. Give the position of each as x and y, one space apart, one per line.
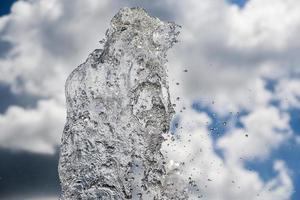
239 108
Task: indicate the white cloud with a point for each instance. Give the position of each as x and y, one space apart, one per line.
218 178
265 130
50 38
36 130
227 51
222 45
225 48
265 25
287 92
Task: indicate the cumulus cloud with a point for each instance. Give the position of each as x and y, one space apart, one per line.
287 92
212 177
227 47
48 39
36 130
229 53
265 129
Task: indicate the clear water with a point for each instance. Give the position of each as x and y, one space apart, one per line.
118 109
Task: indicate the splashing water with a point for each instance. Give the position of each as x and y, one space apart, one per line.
118 108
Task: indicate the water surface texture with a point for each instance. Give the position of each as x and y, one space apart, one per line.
118 108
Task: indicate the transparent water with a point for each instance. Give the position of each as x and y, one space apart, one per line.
118 109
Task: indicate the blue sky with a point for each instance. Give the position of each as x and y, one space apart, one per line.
242 85
240 3
289 152
5 6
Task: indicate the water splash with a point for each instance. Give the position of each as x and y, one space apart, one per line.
118 108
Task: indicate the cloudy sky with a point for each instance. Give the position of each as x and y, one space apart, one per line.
238 114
